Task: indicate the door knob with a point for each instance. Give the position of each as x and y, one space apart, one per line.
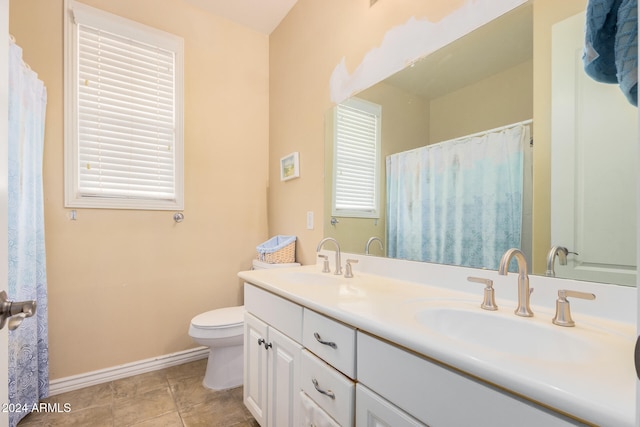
636 357
15 312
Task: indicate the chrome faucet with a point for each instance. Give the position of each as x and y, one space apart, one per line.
371 240
562 253
524 292
335 242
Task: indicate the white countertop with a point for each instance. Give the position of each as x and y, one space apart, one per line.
599 389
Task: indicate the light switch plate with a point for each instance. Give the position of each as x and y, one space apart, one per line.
310 220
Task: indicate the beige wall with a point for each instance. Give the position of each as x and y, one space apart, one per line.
501 99
304 50
123 285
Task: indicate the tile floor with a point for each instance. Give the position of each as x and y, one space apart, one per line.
172 397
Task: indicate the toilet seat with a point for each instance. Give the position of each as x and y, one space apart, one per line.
220 318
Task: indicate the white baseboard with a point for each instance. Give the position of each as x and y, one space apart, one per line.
74 382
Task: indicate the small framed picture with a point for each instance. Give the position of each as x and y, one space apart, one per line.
289 167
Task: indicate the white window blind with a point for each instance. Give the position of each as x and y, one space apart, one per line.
356 159
128 131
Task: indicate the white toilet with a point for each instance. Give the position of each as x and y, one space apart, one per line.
222 331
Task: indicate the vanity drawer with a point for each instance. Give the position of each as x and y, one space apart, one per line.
332 341
439 396
278 312
331 390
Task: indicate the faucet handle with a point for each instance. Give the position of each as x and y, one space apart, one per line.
563 309
348 273
325 263
489 302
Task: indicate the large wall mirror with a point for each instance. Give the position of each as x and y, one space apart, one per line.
575 194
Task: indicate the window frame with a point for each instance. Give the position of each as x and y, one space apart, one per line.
123 27
375 110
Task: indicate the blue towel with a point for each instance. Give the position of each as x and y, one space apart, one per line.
611 44
627 49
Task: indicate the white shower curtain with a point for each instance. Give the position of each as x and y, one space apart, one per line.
28 345
457 202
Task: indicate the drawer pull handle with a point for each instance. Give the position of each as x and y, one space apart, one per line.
329 343
327 393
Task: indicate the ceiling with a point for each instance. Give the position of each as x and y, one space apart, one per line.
260 15
476 56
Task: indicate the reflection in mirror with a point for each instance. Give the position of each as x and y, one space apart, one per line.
593 166
367 248
467 87
459 201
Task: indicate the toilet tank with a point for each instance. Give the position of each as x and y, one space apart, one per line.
261 265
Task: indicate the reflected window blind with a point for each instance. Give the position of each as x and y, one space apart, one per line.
126 117
357 136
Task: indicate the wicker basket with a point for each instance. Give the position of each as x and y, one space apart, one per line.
278 250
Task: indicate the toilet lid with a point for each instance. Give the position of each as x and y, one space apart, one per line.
220 318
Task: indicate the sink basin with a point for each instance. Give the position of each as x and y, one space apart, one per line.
509 334
335 285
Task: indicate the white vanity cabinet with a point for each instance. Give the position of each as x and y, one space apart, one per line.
277 367
305 368
440 396
272 351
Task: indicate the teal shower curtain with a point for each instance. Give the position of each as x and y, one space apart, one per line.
457 202
28 345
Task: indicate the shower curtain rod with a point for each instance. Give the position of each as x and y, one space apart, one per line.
484 132
498 129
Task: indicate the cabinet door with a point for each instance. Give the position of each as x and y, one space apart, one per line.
373 411
255 368
283 380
